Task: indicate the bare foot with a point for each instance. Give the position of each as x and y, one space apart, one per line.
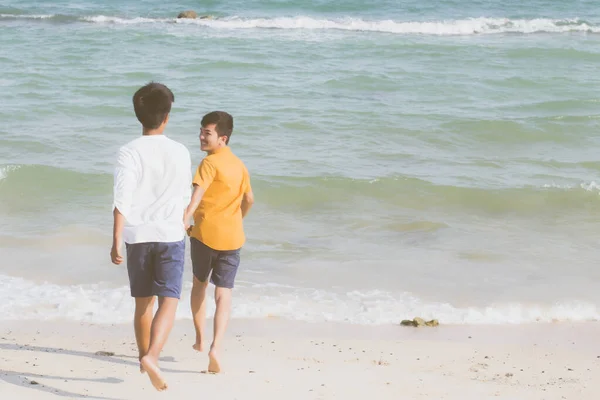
150 365
198 346
142 370
213 362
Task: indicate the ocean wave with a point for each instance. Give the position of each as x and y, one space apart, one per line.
25 300
7 169
103 19
21 185
413 193
22 177
592 187
310 193
472 26
443 28
28 16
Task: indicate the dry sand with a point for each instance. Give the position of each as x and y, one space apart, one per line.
274 359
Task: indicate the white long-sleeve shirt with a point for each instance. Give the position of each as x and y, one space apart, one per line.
152 188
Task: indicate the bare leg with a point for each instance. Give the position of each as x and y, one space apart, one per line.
198 305
161 327
223 302
142 322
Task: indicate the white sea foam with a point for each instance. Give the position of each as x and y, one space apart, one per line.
443 28
5 170
587 186
471 26
591 187
25 300
28 16
102 19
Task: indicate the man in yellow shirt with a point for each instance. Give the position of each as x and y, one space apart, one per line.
222 197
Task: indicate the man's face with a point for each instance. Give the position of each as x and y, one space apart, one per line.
209 139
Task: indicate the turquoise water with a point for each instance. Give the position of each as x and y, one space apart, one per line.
408 159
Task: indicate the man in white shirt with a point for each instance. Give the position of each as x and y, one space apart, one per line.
152 187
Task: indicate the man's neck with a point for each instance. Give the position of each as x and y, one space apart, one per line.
153 132
218 149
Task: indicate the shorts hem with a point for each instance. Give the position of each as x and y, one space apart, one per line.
169 295
222 286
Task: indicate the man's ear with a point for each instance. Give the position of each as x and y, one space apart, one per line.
166 119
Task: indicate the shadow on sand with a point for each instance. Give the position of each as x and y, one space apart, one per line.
24 379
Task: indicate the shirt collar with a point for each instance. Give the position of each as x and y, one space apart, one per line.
221 150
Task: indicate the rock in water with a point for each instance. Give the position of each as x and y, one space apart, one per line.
433 322
188 14
408 322
419 321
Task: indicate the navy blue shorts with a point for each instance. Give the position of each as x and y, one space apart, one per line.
155 268
223 264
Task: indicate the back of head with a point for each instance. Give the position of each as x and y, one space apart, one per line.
152 104
223 123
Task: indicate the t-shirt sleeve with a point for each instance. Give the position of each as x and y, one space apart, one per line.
205 174
187 190
125 181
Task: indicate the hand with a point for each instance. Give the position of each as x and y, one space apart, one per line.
115 255
186 222
188 229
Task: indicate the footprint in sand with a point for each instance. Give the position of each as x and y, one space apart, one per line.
154 373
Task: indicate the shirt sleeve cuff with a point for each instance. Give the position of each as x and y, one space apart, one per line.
123 208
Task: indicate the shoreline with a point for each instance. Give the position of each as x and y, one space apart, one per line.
269 358
108 302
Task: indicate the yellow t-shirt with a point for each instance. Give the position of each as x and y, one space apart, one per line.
218 218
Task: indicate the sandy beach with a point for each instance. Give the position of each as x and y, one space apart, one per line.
409 159
268 359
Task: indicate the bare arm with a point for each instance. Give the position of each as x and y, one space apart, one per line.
125 181
202 180
247 202
118 224
194 203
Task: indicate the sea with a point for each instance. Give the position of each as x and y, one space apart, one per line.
435 159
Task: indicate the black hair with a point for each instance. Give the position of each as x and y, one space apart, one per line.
152 104
223 123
